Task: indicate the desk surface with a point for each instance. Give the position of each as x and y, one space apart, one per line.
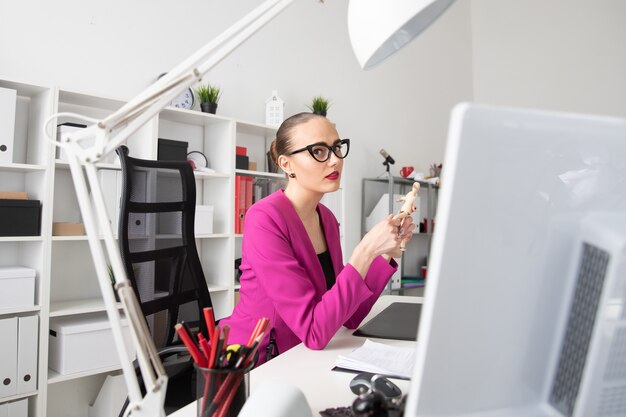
310 370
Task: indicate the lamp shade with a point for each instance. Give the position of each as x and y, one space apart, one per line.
379 28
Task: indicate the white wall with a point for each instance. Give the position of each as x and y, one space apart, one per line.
566 55
116 48
559 54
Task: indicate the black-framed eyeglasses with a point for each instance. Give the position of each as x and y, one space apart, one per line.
321 151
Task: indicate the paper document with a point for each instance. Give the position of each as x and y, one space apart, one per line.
379 358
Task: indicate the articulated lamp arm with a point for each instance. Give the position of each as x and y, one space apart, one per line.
103 137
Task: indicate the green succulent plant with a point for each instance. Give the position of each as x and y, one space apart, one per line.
209 93
319 105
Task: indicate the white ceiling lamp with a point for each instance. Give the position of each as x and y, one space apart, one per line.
379 28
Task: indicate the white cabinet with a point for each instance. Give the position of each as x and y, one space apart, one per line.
66 284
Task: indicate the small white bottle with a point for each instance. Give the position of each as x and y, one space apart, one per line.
274 110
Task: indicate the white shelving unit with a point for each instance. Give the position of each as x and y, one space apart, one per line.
65 282
375 190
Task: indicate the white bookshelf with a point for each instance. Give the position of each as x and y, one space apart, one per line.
66 283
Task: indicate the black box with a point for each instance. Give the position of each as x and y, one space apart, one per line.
20 217
172 150
242 162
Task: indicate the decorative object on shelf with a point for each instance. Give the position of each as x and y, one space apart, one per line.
112 278
199 161
319 105
209 96
184 100
406 171
8 101
242 160
435 170
274 110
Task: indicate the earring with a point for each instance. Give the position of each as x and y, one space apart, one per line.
292 175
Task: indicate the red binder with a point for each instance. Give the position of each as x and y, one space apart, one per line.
241 207
237 198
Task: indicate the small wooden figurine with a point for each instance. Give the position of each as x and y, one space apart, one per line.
407 208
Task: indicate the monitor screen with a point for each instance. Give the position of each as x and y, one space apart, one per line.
514 187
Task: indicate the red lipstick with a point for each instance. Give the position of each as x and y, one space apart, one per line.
333 176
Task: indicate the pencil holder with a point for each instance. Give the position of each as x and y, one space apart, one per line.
222 392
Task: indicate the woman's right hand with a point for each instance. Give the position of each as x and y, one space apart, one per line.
381 239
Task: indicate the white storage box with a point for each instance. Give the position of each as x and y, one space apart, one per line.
17 287
83 343
204 220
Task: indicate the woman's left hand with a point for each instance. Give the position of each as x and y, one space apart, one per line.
405 234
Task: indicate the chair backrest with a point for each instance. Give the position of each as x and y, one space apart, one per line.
156 238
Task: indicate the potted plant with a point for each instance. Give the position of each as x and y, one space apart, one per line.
112 278
209 95
319 105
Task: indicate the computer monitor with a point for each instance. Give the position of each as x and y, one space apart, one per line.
519 318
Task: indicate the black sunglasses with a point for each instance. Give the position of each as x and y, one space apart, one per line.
321 151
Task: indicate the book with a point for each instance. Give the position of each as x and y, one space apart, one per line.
379 358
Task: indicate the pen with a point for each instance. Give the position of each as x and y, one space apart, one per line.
204 346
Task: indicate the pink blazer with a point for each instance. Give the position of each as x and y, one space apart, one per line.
282 279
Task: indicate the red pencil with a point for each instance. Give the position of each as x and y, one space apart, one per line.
215 338
191 346
209 318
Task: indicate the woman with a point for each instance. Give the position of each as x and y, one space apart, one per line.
292 269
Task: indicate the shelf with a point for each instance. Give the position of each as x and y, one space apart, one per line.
100 165
87 100
192 117
27 90
213 236
17 397
68 238
255 129
277 175
20 238
217 288
68 308
54 377
201 175
18 310
22 167
401 180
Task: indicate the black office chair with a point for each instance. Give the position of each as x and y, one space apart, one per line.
157 242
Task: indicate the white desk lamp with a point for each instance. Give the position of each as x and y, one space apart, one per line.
377 30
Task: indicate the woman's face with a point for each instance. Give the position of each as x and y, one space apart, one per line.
312 175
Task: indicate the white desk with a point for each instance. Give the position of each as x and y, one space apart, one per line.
310 370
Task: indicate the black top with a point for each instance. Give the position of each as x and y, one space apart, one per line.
327 266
